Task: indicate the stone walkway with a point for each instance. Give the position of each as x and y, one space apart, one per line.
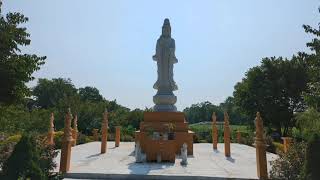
87 162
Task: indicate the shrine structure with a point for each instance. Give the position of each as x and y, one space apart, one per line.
164 131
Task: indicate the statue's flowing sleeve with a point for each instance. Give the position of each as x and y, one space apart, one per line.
172 52
156 56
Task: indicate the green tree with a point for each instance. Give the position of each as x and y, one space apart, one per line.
275 89
312 94
49 93
135 117
15 68
90 94
308 122
235 114
202 112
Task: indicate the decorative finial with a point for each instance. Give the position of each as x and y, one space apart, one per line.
226 118
105 115
259 126
214 118
67 126
51 122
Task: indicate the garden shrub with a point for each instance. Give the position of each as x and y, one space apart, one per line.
58 139
24 161
111 137
6 146
311 169
289 165
278 147
247 138
31 158
203 141
270 146
89 139
195 138
127 138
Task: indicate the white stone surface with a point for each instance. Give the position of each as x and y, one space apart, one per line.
86 158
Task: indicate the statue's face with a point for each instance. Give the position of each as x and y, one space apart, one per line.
166 31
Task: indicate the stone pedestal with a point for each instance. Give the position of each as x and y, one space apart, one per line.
50 136
95 134
117 140
214 131
164 102
157 123
66 145
227 151
104 132
260 145
286 143
238 137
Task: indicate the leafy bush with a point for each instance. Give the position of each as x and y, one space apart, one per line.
24 161
6 147
270 144
58 139
278 147
308 123
31 158
14 119
311 167
289 165
126 138
247 138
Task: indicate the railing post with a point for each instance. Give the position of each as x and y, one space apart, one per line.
214 131
117 140
104 132
260 149
50 137
66 144
227 152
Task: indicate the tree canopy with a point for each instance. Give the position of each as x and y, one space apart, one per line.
15 68
90 94
201 112
49 93
275 89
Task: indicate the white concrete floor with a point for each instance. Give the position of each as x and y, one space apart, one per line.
86 159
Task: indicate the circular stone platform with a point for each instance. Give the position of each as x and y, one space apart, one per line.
119 163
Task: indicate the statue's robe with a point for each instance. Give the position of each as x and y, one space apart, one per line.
165 57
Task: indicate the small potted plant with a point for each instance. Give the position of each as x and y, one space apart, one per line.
170 127
149 131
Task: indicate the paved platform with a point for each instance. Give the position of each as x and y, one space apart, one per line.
119 163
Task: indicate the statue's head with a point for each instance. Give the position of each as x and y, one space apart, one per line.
166 29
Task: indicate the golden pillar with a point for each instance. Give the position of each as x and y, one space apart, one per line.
214 131
286 143
260 149
104 132
50 137
75 130
66 144
117 140
227 152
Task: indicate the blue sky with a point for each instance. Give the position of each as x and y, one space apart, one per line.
109 44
